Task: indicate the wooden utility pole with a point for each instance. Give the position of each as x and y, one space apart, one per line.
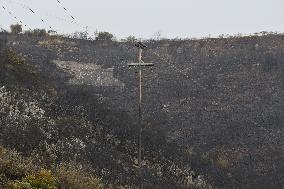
140 64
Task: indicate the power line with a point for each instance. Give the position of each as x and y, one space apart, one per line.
75 21
12 15
31 11
49 14
185 74
35 13
65 9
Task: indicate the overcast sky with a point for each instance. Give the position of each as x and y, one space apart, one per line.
144 18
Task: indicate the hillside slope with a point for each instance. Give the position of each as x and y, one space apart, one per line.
50 115
213 105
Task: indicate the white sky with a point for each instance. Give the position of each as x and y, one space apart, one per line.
144 18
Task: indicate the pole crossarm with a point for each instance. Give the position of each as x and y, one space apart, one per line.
140 64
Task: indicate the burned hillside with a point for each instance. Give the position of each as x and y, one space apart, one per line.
213 108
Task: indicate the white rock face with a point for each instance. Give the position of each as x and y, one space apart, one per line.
89 74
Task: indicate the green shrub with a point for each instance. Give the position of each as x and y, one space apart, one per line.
16 29
3 180
14 58
12 165
41 180
72 176
104 36
131 39
17 172
37 33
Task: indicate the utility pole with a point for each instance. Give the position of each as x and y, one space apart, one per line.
140 64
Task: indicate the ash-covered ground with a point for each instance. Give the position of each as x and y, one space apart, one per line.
213 109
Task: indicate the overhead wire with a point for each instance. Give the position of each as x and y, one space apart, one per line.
65 9
75 21
185 74
204 88
31 11
5 8
48 14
